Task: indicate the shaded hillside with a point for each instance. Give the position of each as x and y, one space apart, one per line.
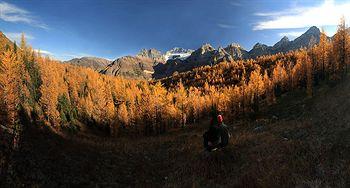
205 55
300 142
228 73
307 39
259 50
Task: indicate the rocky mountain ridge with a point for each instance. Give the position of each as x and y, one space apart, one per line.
307 39
151 63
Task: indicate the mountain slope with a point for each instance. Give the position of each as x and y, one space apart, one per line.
151 54
282 45
309 38
95 63
259 50
4 42
137 67
236 51
200 57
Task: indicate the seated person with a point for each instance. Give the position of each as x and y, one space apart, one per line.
217 135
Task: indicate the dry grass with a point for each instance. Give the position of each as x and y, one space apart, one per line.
307 146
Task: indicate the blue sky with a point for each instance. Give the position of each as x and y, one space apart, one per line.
112 28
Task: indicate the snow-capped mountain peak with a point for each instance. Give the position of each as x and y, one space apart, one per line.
177 53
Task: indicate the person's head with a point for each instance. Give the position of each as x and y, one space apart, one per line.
220 119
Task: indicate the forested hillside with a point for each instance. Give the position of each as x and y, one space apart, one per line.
39 89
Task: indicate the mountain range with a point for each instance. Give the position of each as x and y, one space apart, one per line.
307 39
151 63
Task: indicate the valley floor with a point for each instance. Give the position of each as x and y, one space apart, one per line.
300 142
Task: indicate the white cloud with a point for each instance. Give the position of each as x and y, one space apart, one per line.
44 52
226 26
281 13
291 34
69 56
326 14
17 36
12 13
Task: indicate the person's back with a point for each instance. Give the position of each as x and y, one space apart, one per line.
214 134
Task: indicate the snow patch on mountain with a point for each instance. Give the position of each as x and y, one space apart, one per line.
177 53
